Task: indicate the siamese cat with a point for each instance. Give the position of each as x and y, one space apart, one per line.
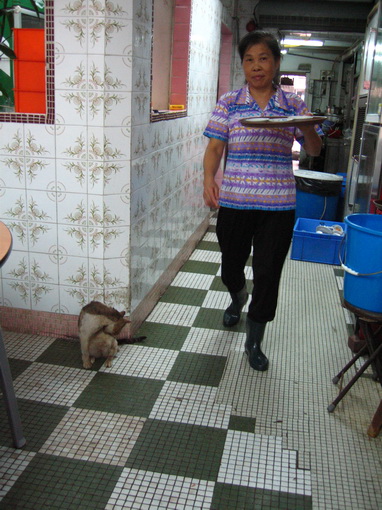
98 326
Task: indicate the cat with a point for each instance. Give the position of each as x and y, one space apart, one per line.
98 325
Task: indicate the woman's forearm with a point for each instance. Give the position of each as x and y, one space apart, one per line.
312 141
211 163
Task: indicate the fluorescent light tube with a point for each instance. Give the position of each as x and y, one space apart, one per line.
301 42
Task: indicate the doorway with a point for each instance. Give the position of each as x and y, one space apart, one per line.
291 82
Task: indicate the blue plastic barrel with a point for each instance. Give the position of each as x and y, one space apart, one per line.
317 194
363 262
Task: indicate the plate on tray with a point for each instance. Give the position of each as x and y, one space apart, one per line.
283 121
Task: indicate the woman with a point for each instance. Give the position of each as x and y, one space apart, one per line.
257 197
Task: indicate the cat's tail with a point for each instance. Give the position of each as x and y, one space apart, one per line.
121 341
134 340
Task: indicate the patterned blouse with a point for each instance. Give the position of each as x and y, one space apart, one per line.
258 172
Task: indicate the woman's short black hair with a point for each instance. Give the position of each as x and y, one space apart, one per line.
257 37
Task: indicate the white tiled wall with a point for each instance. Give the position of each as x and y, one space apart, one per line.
101 202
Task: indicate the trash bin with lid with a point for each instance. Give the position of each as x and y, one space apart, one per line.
317 194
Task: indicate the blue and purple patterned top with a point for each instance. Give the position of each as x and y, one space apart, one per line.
258 172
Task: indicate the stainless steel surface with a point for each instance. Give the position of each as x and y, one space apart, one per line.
364 176
353 179
374 106
366 179
369 49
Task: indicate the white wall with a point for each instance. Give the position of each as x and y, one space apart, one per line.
290 64
100 202
65 187
167 174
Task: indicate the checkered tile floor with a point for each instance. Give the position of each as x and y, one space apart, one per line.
181 421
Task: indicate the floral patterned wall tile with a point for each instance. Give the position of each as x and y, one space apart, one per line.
23 156
140 141
30 217
142 39
143 12
117 109
141 172
141 73
117 77
120 137
116 210
73 271
98 280
116 240
73 298
28 280
121 45
70 36
71 108
140 108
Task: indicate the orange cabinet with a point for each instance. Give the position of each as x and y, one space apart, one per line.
29 70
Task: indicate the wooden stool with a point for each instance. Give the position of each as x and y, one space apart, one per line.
371 324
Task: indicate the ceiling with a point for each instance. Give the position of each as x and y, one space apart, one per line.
339 23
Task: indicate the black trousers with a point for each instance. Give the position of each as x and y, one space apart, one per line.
270 234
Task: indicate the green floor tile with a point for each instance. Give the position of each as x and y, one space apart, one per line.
120 394
67 353
213 319
272 500
38 421
181 296
178 449
17 366
208 245
195 266
50 482
217 284
199 369
228 497
242 423
163 336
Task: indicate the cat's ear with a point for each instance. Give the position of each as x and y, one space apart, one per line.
122 313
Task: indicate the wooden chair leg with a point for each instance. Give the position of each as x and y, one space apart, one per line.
376 423
358 374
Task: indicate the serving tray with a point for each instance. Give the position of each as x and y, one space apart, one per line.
283 121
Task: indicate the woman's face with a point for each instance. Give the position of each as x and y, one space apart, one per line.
260 67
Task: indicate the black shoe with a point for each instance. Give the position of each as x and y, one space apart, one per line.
232 314
255 332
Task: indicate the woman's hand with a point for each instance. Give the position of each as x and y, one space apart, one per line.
211 162
211 193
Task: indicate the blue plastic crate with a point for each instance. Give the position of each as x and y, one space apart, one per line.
311 246
343 187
